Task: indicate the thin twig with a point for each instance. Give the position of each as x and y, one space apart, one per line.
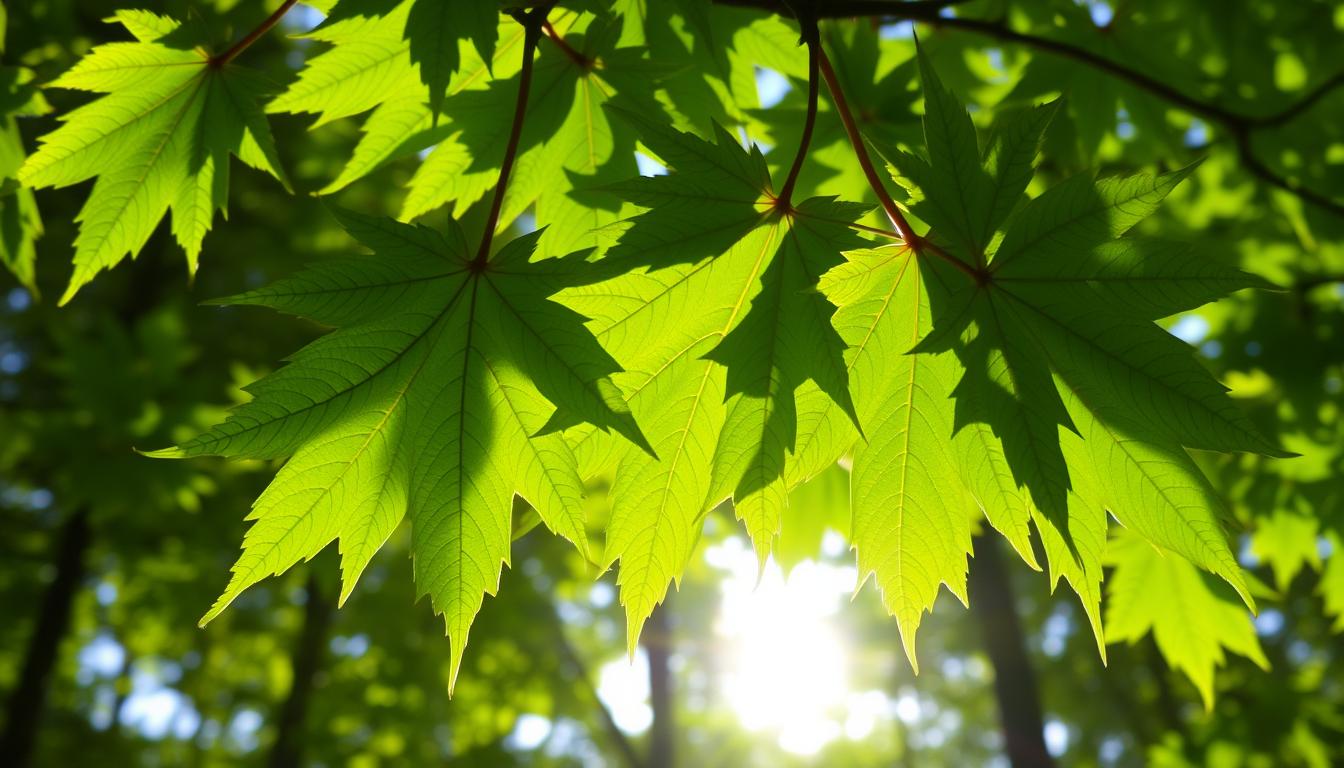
1257 168
533 22
253 36
840 9
1238 124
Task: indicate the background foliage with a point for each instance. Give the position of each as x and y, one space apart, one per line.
134 551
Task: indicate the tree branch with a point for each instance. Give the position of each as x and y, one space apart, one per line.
657 641
253 36
1238 124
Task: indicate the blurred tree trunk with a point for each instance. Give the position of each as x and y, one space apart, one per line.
579 672
994 608
657 641
306 661
24 712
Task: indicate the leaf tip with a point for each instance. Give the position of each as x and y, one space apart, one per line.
172 452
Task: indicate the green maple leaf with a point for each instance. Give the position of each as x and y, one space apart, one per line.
911 511
440 396
402 121
159 140
369 63
726 344
569 148
1332 584
1287 540
433 29
20 223
386 51
1194 619
1036 380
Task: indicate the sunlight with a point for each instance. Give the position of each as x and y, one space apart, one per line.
787 663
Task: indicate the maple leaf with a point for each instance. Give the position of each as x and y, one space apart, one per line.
1193 617
159 140
369 63
433 29
438 397
722 334
20 222
569 148
1030 375
402 122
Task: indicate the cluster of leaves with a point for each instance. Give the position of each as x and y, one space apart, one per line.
699 337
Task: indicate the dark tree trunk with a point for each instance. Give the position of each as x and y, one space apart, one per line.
307 660
26 701
992 604
657 640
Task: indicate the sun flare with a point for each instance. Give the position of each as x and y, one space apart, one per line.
785 659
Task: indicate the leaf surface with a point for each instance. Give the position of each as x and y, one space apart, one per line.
716 319
433 399
1195 620
1059 400
158 141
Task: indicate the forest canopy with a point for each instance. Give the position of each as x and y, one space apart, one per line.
678 355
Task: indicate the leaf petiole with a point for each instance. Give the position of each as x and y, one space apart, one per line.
533 21
253 36
919 244
785 202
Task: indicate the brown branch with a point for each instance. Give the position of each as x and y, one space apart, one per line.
533 22
657 641
306 663
1257 168
253 36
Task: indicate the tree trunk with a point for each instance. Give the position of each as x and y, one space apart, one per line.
579 672
24 712
657 642
306 660
992 604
